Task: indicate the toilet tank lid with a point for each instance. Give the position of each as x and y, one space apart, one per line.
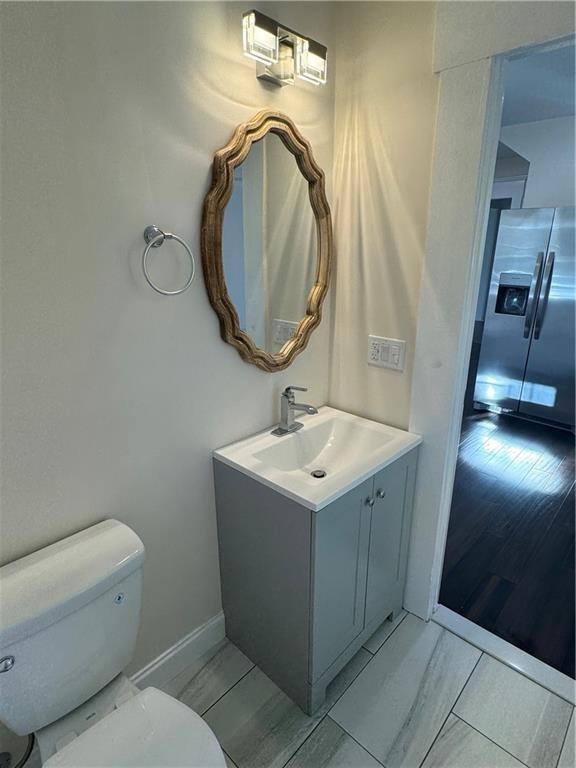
41 588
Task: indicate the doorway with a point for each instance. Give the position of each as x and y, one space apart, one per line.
509 559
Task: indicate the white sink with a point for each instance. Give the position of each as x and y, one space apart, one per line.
347 448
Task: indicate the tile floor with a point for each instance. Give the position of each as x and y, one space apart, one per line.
415 696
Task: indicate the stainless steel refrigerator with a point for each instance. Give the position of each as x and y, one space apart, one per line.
526 364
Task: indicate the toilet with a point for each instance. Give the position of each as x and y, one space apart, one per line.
68 625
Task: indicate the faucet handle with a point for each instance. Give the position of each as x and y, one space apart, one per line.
288 390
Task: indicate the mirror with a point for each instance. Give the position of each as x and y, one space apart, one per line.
269 244
267 241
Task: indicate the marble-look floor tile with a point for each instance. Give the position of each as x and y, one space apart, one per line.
458 745
519 715
377 640
176 685
398 705
330 747
222 672
258 725
567 756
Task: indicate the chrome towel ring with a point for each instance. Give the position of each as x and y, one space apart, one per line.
154 238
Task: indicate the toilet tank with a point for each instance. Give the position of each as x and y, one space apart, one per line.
69 616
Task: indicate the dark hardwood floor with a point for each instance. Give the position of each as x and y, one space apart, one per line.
509 563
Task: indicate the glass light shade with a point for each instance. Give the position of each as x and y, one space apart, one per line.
311 61
260 37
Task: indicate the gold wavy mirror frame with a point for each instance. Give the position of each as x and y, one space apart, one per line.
225 162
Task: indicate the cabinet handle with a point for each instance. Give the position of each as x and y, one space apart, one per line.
380 493
369 501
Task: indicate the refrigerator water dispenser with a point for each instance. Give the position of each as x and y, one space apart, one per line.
513 293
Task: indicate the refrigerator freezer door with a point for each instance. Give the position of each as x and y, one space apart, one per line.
548 391
522 242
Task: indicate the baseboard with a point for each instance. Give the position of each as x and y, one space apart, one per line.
185 653
508 654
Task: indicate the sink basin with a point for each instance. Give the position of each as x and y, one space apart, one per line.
333 452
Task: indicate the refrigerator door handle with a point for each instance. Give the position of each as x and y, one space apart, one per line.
533 296
544 295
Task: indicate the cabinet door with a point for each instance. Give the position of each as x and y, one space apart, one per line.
340 555
388 539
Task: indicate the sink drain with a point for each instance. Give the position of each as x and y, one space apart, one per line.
318 473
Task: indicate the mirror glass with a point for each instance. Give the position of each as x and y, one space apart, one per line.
269 244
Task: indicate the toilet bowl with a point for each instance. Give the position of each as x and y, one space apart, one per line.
68 626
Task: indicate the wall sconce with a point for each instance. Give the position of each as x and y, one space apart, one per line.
281 53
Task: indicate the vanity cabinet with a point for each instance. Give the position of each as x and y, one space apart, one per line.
340 553
303 589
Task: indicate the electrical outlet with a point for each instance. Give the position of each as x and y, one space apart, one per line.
386 353
373 350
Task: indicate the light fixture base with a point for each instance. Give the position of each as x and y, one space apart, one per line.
282 72
264 73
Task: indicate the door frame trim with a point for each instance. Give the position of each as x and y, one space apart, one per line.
468 127
467 131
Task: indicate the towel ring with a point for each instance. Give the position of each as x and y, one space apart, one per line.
154 238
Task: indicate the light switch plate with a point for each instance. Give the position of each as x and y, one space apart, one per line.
386 353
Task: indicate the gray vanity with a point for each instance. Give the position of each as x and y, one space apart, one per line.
313 517
307 578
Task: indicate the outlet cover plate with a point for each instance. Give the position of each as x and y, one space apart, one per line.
284 330
386 353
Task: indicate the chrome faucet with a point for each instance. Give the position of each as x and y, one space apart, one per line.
288 407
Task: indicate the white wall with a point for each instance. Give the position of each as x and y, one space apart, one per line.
112 395
549 146
512 189
469 31
385 114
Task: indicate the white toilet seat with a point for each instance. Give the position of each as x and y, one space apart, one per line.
150 730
